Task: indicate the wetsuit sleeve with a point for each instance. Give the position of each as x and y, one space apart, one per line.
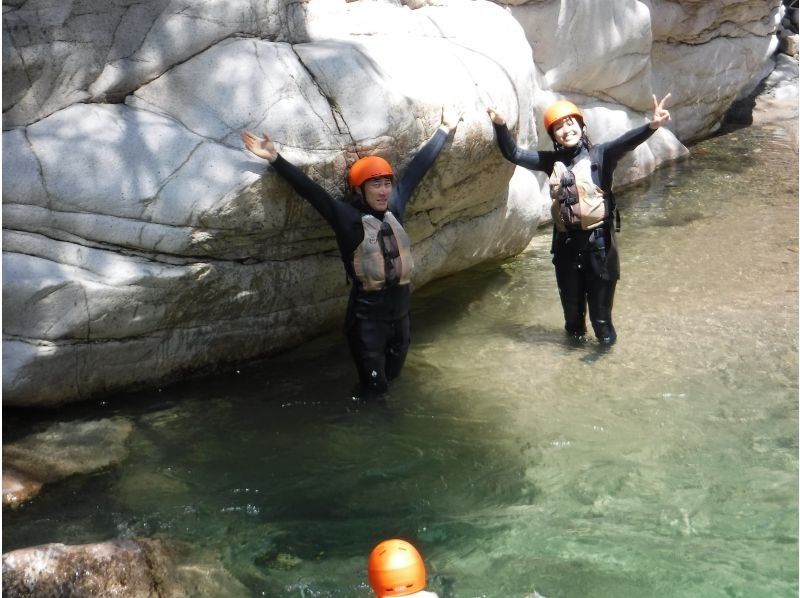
329 208
614 150
532 160
419 165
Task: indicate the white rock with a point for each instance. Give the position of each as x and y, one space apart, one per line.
600 50
701 91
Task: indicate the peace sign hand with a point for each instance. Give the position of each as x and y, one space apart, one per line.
660 114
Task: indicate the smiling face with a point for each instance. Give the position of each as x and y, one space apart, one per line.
377 192
567 132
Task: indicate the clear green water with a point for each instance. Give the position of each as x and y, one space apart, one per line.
666 466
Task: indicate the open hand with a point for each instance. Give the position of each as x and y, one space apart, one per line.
260 146
496 117
660 114
451 116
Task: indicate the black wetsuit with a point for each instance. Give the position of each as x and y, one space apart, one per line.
586 262
377 323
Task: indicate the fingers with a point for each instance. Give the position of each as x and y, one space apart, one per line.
248 135
249 139
659 105
259 146
660 113
452 115
495 116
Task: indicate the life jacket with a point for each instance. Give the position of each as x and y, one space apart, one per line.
578 201
383 258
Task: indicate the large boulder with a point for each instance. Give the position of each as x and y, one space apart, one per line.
141 243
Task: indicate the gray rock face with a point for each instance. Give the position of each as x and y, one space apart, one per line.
701 51
141 243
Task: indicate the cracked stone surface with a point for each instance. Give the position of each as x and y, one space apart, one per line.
141 243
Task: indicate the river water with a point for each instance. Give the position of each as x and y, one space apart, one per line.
666 466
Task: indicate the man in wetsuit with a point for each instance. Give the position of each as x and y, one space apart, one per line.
584 251
374 247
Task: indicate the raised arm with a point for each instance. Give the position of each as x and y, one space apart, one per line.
423 160
532 160
263 147
614 150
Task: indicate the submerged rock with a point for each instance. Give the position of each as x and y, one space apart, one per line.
62 450
18 488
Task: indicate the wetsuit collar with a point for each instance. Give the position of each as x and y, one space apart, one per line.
572 152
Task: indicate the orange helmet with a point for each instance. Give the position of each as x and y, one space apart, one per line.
396 569
368 168
559 110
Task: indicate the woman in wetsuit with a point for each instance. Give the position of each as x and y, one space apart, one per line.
581 176
374 247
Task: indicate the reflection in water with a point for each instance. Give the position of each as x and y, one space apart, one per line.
664 466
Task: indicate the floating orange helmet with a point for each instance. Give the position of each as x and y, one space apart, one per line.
559 110
396 569
368 168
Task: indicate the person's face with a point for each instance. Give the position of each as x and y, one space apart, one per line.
377 193
567 131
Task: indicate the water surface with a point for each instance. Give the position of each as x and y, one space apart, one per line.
666 466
